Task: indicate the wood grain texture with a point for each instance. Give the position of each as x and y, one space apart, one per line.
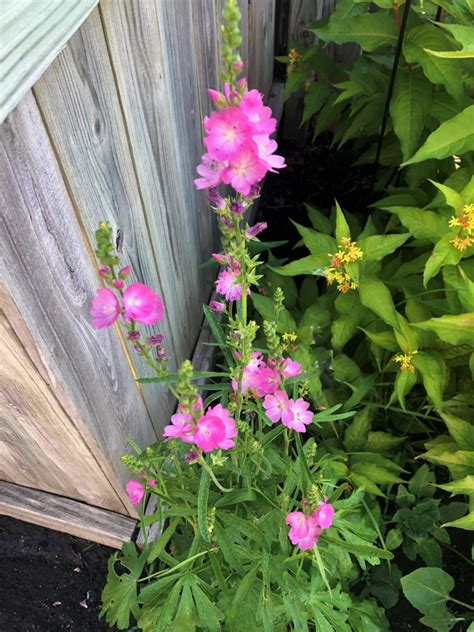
39 445
31 35
162 107
78 100
50 278
64 514
261 35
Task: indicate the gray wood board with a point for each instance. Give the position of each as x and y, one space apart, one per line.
64 514
48 272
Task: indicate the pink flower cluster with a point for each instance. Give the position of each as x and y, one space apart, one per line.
306 528
263 380
136 490
239 148
208 431
139 303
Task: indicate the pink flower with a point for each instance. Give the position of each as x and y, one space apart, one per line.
290 368
324 515
258 114
216 199
181 427
253 231
228 133
245 170
266 146
267 381
135 492
228 284
215 429
275 405
211 171
118 284
142 304
151 482
217 307
297 416
304 530
105 308
250 373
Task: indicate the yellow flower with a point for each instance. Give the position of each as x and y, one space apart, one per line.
405 362
465 222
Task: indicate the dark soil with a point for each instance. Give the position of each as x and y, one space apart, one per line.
49 581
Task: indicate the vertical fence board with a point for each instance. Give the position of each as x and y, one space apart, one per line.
29 445
261 33
51 279
78 99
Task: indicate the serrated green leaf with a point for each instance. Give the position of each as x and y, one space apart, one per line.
444 254
409 108
466 522
432 373
314 99
317 243
422 224
369 31
457 330
439 71
461 431
376 247
462 486
265 306
307 265
453 137
357 432
427 589
375 295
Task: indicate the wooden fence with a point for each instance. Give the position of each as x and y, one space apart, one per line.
111 130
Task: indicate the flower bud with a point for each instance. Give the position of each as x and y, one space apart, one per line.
104 271
118 284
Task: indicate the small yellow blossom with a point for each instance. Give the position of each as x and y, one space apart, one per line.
348 252
465 222
293 56
405 362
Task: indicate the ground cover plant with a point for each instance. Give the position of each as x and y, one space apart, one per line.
299 480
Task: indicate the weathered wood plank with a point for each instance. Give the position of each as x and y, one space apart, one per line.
39 445
148 43
50 277
261 35
78 100
31 35
64 514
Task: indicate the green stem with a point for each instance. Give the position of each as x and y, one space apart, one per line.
168 571
226 490
461 603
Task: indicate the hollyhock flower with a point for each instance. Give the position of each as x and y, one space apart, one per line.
253 231
228 284
244 170
324 515
237 208
275 405
228 133
304 530
258 114
297 416
215 429
217 307
153 341
267 381
181 427
211 171
250 373
290 368
140 303
266 146
135 492
215 198
105 308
